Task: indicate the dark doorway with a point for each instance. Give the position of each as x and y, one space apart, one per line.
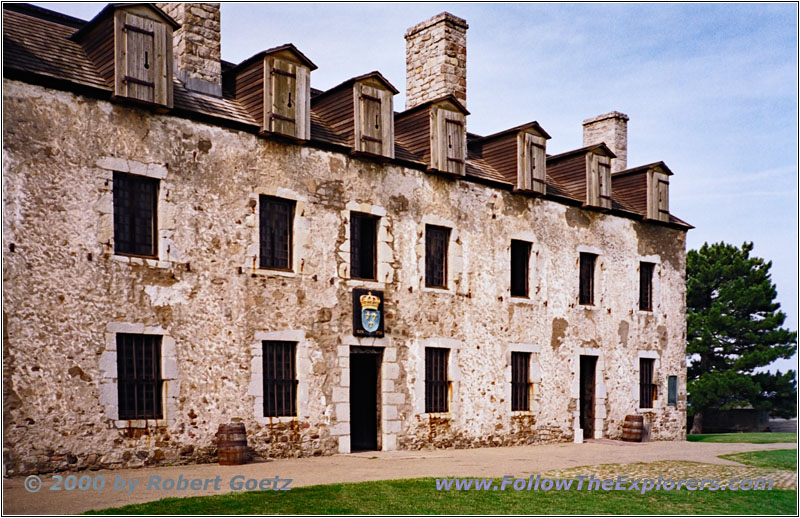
588 364
365 366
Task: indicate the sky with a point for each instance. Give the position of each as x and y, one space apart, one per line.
711 89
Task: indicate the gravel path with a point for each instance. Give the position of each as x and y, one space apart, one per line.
520 461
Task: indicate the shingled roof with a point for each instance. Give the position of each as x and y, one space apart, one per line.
38 47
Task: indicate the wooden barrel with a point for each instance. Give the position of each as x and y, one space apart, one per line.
632 428
232 444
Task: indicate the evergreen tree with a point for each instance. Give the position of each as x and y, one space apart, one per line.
733 328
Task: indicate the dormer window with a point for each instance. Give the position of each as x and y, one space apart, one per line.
449 140
374 129
658 197
138 62
598 181
531 163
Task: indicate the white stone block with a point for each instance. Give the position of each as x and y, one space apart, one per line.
156 171
390 354
137 167
387 386
108 365
125 327
341 394
391 427
343 350
344 380
344 444
389 412
256 365
168 346
395 398
343 411
173 388
256 386
391 371
112 412
341 429
109 394
170 368
111 341
389 442
113 164
154 330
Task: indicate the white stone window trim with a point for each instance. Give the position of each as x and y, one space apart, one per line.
655 286
303 372
456 264
301 228
534 377
598 279
167 254
600 392
534 277
384 250
657 403
391 394
417 354
108 386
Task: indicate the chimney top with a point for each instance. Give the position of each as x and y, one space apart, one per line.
611 129
436 60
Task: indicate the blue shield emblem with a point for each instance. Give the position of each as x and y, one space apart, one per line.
370 319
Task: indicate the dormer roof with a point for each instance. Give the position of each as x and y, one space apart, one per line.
350 82
522 127
447 98
600 148
643 169
281 48
109 10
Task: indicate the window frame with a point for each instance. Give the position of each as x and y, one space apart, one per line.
444 235
291 383
357 243
264 201
132 383
521 384
646 271
586 278
134 182
523 264
438 385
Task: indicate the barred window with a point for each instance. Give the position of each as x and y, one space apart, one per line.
280 379
363 245
275 231
139 380
647 389
646 286
135 225
586 291
520 381
436 383
520 256
436 242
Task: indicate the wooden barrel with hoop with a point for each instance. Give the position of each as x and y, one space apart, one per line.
232 444
632 428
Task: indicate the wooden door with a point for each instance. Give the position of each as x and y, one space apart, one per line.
364 398
587 381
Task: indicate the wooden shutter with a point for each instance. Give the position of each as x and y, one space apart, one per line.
663 199
437 240
436 382
520 257
520 385
139 380
280 378
604 181
276 216
282 100
454 146
646 286
531 162
139 61
448 141
586 290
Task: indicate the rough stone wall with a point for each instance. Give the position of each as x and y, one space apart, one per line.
63 287
436 60
197 44
611 128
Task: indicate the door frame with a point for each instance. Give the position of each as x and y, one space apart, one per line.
599 393
378 353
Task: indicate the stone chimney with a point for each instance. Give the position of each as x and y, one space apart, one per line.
196 46
612 129
436 60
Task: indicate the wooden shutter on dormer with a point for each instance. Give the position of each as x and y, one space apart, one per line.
143 59
531 172
374 121
282 100
448 141
598 181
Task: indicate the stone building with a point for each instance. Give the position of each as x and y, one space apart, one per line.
189 242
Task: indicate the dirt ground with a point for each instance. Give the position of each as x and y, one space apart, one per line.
521 461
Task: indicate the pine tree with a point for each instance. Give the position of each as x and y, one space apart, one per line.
734 326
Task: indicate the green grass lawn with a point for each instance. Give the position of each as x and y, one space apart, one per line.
754 438
419 496
778 459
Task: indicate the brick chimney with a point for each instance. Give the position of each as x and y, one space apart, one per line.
436 60
196 45
612 129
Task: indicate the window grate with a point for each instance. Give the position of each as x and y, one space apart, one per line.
647 389
135 202
280 379
646 286
436 383
586 291
363 245
520 257
275 231
436 242
139 380
520 381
